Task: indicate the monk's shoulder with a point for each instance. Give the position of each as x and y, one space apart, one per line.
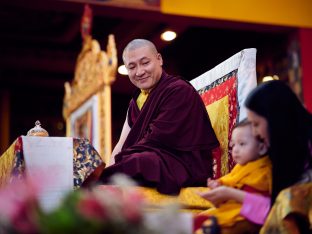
181 85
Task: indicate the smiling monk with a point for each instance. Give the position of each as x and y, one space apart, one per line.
167 139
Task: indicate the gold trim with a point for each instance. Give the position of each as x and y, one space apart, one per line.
94 73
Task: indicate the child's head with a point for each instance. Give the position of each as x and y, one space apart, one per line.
246 147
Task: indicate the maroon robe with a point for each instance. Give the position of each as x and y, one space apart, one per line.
170 142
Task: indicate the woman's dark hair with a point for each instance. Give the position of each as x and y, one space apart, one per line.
290 131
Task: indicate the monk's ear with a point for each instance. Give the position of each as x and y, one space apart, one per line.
263 148
159 57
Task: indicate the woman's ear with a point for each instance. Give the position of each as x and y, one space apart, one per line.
263 148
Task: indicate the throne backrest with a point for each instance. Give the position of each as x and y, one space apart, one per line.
87 101
223 90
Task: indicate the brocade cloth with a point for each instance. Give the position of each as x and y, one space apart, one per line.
85 161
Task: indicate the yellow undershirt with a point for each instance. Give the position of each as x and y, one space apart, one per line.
142 98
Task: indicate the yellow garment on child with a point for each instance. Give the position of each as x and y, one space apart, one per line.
142 98
256 174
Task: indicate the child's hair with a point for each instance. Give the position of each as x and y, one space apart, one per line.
243 123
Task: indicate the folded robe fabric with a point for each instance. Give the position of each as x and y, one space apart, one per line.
171 139
256 175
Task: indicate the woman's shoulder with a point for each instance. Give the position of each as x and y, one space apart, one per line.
306 177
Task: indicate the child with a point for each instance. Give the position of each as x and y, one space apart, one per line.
252 173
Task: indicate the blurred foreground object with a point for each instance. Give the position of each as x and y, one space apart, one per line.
116 209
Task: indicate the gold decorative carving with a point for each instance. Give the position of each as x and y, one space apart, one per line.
94 73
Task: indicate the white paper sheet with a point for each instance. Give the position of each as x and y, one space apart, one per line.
49 164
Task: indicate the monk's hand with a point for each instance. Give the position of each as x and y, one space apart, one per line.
216 196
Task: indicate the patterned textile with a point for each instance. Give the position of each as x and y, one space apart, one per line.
221 102
242 227
86 161
7 162
294 200
224 90
19 163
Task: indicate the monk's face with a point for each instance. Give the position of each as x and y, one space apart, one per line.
144 67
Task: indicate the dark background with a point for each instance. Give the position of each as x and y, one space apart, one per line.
40 41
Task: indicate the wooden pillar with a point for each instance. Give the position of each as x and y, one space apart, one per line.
4 120
305 39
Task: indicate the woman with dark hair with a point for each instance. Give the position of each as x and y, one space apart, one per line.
280 120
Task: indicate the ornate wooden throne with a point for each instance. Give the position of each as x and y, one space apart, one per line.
87 101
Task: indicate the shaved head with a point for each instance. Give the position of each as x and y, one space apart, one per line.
143 63
138 43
